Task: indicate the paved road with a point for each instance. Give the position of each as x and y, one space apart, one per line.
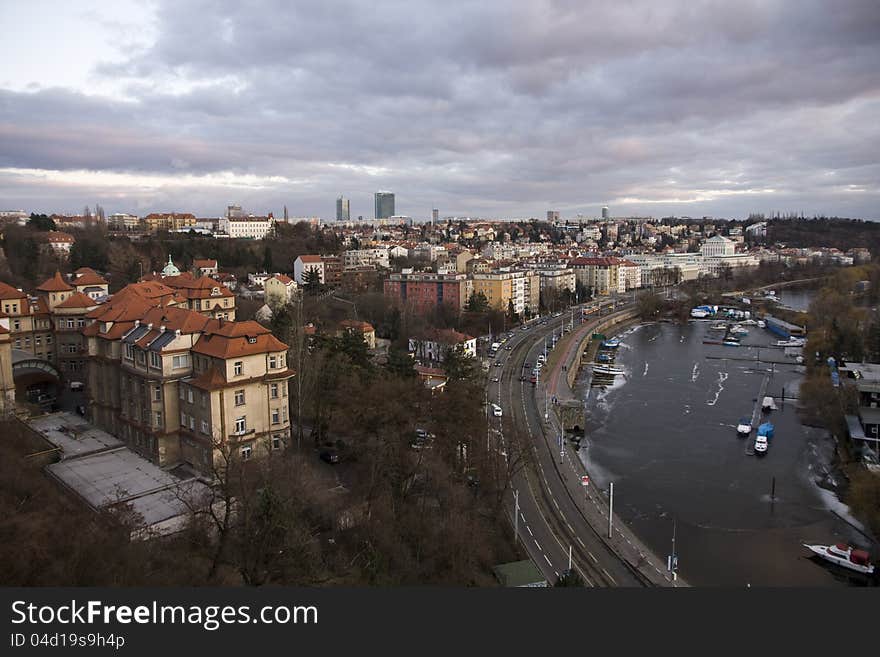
551 523
560 519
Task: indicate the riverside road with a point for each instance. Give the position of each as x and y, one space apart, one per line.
559 520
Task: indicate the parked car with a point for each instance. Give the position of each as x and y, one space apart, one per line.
76 385
329 455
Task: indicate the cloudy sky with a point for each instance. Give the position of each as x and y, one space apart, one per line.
476 107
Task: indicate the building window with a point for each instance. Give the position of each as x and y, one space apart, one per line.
238 368
245 453
189 395
183 419
159 419
273 390
157 393
155 359
16 325
182 392
276 442
141 357
239 397
240 424
192 423
273 362
181 362
37 341
205 427
276 416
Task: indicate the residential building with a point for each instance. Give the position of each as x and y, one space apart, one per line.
88 282
435 344
7 384
203 295
426 291
204 267
305 263
179 387
375 257
250 227
363 329
170 222
122 222
279 290
59 242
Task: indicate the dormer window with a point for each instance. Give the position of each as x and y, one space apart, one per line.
252 340
215 292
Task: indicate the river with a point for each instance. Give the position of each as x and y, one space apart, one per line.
665 434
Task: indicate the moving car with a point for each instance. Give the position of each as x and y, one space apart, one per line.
496 410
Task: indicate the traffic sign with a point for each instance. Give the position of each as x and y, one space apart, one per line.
585 481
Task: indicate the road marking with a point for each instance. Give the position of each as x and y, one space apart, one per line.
530 530
539 545
581 542
595 560
550 563
570 528
609 576
522 516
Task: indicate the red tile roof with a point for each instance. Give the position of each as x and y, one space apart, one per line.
77 300
55 284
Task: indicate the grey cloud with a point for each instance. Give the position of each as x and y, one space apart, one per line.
483 107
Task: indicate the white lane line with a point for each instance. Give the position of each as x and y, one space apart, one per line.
570 528
581 542
595 560
539 545
522 516
530 530
549 563
609 576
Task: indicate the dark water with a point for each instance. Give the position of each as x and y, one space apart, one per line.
796 298
667 437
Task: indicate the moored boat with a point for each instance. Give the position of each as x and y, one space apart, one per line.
844 555
606 369
613 343
718 326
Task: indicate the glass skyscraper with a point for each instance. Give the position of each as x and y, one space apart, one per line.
343 211
384 205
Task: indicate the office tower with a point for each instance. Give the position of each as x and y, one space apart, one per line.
552 215
435 216
604 211
343 211
384 205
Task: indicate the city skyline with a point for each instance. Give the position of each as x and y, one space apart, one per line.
685 109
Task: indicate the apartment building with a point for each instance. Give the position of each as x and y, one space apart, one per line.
178 386
203 294
59 242
377 257
87 281
250 227
279 290
305 263
426 291
170 221
7 385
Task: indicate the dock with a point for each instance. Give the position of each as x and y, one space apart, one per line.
756 414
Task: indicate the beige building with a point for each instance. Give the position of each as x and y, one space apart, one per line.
279 290
7 385
177 385
170 221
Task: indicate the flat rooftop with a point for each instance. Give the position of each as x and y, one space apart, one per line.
73 434
121 476
102 471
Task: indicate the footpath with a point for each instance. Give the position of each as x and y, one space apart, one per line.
594 504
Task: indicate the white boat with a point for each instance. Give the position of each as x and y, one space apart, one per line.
767 404
844 555
762 323
605 369
739 330
749 322
744 428
761 445
791 342
718 326
699 314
